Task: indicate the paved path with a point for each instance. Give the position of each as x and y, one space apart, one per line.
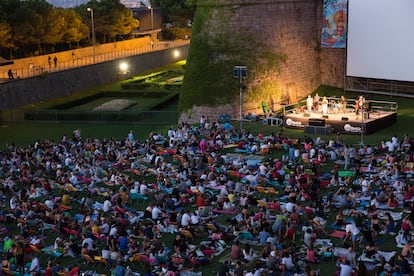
38 69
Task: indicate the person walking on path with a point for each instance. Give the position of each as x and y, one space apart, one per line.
10 73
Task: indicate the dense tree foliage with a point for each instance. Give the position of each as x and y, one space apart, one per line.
35 27
111 18
177 12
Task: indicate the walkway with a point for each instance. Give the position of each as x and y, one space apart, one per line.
38 69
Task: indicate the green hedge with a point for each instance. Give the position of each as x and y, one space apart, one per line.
60 114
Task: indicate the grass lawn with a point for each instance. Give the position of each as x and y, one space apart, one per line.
25 133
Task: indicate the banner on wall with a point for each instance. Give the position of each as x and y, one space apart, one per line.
334 23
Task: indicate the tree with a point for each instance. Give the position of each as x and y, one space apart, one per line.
126 23
74 30
111 18
24 22
6 37
54 24
178 12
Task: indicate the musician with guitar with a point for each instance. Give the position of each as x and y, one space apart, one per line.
359 104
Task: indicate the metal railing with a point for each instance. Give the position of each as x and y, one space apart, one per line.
373 105
380 87
39 69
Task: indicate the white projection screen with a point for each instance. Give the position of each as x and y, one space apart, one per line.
380 41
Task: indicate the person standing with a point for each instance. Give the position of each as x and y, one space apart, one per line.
342 104
31 66
55 60
309 103
131 136
19 256
347 156
324 105
202 122
49 60
35 266
10 74
316 102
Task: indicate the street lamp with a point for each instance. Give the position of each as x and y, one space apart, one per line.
152 22
152 17
176 53
93 32
241 73
123 70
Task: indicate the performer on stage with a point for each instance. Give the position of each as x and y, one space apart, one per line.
324 105
342 104
316 102
309 103
359 104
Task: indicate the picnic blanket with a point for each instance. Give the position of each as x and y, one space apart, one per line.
323 242
338 234
346 173
340 251
225 212
387 255
394 215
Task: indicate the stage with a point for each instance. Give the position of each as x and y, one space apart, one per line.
345 121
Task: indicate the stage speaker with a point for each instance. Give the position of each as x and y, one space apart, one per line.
316 122
325 116
276 122
344 119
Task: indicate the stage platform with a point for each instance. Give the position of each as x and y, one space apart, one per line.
347 122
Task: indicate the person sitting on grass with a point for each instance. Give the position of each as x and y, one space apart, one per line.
389 224
287 263
309 236
311 255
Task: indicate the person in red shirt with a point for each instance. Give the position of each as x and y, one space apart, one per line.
75 271
201 202
290 232
236 251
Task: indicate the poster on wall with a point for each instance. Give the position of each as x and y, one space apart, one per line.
334 23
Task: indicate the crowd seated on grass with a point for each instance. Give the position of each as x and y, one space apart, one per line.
110 202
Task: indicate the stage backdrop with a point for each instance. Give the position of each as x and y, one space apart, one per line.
334 24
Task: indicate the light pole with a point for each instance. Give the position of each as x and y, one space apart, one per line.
362 126
241 73
93 32
152 24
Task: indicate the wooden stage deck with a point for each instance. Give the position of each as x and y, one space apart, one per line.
343 122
